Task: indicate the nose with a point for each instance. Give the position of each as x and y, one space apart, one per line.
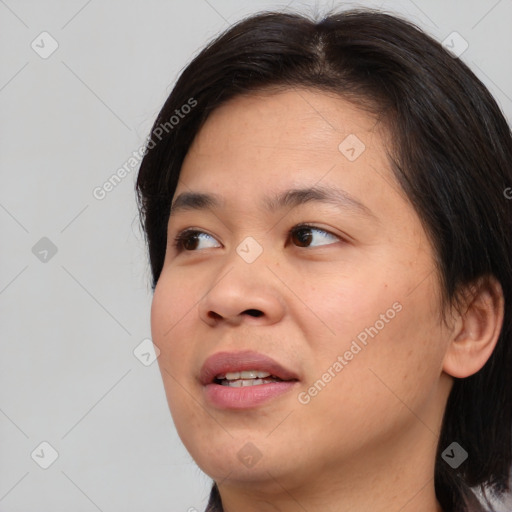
243 293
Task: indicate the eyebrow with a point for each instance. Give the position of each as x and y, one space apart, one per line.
292 198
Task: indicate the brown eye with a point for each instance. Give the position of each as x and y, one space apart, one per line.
302 236
190 240
311 236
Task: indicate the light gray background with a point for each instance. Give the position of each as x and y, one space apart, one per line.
69 326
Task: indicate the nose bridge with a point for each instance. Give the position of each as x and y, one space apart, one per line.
244 286
246 266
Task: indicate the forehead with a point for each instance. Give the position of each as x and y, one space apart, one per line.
285 135
297 121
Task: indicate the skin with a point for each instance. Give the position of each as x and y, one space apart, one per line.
367 440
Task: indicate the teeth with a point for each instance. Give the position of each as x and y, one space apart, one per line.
241 383
246 378
250 374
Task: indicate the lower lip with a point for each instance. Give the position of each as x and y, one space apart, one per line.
226 397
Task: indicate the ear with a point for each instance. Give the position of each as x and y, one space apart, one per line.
476 328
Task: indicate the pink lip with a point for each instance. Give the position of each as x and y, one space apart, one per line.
246 397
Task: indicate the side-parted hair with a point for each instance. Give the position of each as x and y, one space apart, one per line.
450 151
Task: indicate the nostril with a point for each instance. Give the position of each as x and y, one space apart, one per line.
254 312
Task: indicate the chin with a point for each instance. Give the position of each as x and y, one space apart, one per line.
238 459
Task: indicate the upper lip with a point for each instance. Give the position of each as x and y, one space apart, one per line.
224 362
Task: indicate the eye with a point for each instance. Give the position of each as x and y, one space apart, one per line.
305 235
191 240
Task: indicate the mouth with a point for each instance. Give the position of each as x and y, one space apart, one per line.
241 380
245 378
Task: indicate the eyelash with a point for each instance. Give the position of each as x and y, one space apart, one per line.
186 234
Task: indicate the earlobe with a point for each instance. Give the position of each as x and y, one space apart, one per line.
476 330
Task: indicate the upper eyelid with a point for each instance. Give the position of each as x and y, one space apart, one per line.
185 231
193 231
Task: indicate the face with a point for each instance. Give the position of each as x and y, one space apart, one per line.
297 256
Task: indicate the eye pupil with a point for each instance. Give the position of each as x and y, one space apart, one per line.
303 236
190 243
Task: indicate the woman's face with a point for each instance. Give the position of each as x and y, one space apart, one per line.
309 266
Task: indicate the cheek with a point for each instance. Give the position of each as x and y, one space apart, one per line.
171 317
337 309
173 304
386 336
172 311
386 366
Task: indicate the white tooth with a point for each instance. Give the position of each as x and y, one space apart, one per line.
254 382
239 383
246 374
254 374
242 383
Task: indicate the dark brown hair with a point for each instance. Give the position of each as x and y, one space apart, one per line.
451 154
